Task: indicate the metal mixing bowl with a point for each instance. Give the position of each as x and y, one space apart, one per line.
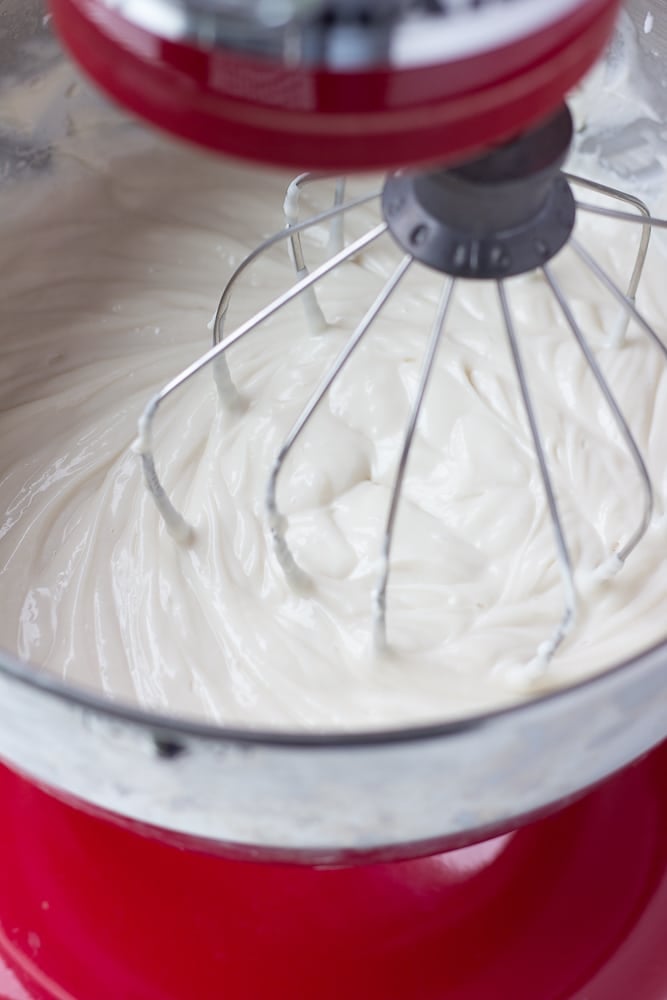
320 797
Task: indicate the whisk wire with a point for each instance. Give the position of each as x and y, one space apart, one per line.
613 213
548 648
380 593
315 318
275 519
291 207
616 561
644 240
337 228
618 294
291 213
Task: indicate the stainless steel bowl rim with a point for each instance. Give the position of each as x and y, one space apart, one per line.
27 673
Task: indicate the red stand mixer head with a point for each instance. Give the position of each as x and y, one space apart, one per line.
338 86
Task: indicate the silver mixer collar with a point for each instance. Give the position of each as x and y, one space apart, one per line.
347 34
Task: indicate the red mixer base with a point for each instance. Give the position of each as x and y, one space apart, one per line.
574 906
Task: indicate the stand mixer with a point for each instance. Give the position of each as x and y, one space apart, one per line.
299 835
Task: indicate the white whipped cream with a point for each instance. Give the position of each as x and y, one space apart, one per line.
111 263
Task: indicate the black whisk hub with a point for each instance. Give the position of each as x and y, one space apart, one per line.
504 213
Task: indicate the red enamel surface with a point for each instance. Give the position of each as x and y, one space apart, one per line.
573 906
305 119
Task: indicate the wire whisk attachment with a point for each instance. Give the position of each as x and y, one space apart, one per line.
470 222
